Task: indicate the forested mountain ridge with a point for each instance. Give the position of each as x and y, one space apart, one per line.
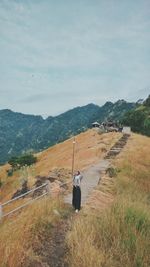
20 133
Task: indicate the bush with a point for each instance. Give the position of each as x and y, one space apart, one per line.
147 102
111 172
17 162
27 160
139 118
13 162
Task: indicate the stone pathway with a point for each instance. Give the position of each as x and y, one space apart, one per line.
117 147
91 178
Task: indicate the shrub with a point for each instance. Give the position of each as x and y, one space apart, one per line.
27 159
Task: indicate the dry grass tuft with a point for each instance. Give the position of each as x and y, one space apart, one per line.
81 242
20 234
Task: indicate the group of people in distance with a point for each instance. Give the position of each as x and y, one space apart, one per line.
76 192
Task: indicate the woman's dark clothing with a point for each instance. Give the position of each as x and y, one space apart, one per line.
76 200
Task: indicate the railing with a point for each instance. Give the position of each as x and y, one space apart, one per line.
21 196
48 191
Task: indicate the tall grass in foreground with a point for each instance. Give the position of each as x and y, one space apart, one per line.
20 234
120 236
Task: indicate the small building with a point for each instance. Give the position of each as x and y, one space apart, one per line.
110 126
95 124
126 130
102 129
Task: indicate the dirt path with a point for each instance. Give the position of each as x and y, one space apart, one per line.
52 249
55 247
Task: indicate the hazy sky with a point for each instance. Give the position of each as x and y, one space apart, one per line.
59 54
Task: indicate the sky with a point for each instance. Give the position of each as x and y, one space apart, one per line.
59 54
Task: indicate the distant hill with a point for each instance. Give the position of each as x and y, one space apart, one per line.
20 133
139 118
113 111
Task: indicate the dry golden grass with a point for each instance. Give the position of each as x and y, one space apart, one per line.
89 148
81 242
120 235
20 234
135 164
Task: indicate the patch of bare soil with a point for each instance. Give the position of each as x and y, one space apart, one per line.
56 249
52 250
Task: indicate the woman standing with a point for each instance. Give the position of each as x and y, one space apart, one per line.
76 199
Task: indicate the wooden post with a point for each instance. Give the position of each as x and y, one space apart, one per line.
48 187
73 151
1 211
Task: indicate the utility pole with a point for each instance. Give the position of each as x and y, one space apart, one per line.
1 211
73 151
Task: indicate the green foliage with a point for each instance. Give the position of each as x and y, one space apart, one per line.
27 160
13 162
114 111
139 118
147 125
17 162
137 219
147 102
1 183
112 172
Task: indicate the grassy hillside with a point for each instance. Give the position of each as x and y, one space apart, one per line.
20 133
89 148
20 246
118 235
114 234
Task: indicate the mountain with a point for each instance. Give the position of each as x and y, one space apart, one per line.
139 118
113 111
20 133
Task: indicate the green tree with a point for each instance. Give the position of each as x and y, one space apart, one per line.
27 159
139 118
147 102
147 126
135 119
13 162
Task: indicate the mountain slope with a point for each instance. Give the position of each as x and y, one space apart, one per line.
89 148
17 132
118 232
21 133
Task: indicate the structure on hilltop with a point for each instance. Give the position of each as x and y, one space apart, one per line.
110 126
